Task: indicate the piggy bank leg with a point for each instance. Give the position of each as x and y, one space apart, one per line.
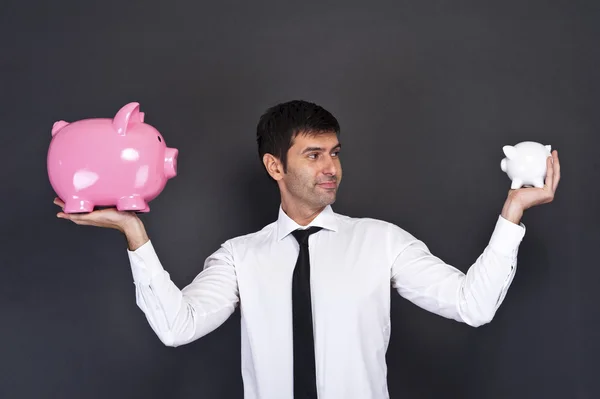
78 205
131 203
516 184
539 183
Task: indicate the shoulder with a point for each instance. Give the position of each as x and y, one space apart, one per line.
378 227
253 239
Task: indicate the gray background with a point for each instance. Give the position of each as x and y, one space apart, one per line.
427 93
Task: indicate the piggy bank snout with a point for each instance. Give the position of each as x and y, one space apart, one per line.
171 162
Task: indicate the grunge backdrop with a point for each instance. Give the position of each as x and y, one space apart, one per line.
426 92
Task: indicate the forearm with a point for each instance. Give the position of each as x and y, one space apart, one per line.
488 279
472 297
181 316
484 287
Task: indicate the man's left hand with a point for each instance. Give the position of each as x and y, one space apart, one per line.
521 199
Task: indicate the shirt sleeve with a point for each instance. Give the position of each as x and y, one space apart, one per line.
182 316
472 298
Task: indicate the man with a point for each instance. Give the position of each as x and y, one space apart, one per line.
315 309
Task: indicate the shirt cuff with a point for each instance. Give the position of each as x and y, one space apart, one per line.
145 265
507 236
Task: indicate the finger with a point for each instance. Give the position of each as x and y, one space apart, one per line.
556 167
73 217
68 216
82 222
59 202
549 174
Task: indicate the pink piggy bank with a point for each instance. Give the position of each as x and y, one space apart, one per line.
120 162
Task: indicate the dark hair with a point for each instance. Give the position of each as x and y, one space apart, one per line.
280 124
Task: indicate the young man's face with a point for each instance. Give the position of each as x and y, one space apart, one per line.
314 171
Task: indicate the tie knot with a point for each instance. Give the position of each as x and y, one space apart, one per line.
302 235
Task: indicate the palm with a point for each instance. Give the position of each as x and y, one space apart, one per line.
529 197
109 218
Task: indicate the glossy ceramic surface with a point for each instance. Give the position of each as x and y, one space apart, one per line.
120 161
525 163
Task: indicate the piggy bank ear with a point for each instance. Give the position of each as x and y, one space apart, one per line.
510 151
127 116
57 126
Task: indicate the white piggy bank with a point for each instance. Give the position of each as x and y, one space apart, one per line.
525 163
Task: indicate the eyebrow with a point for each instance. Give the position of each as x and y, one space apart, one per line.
310 149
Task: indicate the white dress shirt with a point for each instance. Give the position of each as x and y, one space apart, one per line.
353 263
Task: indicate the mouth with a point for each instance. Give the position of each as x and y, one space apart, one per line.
328 185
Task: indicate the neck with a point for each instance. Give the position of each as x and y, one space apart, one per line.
299 213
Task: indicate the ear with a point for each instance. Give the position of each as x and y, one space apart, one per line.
510 151
273 166
57 126
126 116
141 114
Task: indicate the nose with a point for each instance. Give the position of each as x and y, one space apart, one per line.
171 162
329 167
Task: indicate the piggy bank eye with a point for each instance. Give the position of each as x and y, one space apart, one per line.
159 139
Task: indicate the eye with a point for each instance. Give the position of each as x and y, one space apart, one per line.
335 153
159 139
313 156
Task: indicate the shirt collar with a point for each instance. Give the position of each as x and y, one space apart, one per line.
326 219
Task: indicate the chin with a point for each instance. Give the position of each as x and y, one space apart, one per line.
327 200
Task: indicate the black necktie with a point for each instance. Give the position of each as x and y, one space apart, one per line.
305 384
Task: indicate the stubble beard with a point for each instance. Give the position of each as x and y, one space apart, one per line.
311 194
324 199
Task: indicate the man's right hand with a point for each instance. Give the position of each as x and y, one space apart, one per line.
127 223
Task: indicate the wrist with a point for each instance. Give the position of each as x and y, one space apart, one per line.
512 211
135 233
